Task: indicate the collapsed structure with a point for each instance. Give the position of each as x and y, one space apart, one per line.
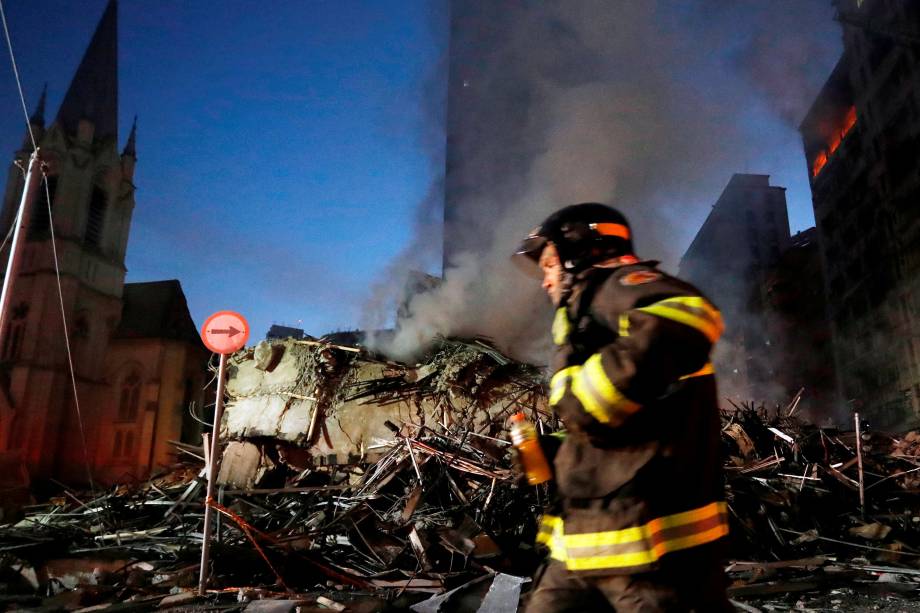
365 483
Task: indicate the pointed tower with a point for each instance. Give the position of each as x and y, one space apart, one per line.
129 154
38 116
37 131
93 94
90 199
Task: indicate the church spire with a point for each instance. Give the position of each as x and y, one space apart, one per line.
38 117
93 93
130 149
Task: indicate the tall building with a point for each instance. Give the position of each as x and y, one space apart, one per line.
862 141
799 332
487 130
730 260
137 358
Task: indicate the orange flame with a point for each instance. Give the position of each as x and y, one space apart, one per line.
820 161
836 138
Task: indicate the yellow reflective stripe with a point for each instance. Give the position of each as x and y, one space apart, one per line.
549 526
638 533
697 313
612 537
621 560
645 534
708 369
550 534
561 326
691 540
599 396
699 306
559 382
588 402
624 325
687 517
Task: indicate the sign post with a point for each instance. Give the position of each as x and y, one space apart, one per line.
224 332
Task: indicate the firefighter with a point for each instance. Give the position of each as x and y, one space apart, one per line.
643 514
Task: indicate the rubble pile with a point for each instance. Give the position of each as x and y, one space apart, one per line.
349 482
794 499
403 489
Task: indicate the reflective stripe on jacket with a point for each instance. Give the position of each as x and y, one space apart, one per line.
636 547
639 472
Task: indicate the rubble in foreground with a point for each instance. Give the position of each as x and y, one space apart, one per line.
353 483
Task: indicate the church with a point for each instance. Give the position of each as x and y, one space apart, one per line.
139 365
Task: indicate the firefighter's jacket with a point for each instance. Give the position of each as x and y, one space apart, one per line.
639 473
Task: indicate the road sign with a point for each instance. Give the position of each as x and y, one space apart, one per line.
225 332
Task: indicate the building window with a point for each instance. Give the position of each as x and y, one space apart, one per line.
17 431
15 329
130 398
38 224
123 445
95 219
80 328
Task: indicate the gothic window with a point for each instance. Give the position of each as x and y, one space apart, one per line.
129 443
15 329
80 327
17 431
130 397
95 219
123 445
38 224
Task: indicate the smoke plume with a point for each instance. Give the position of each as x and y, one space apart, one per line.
552 103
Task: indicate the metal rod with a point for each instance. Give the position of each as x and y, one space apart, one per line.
33 179
214 458
859 461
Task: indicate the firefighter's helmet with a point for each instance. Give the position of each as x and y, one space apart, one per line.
583 234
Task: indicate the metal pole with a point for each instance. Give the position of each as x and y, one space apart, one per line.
859 461
212 475
33 178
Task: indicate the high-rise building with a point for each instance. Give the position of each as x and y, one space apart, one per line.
487 148
801 358
730 260
137 358
862 142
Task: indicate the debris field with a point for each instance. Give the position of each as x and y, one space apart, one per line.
353 483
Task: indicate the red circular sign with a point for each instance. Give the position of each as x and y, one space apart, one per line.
225 332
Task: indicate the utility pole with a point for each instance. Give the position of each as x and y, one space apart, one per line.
33 179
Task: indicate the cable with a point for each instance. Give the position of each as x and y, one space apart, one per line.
8 235
57 269
22 98
73 376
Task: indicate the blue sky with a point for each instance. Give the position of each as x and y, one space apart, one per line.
280 153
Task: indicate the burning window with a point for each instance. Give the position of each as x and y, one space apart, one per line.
836 137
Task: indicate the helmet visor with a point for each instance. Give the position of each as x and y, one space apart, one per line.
527 256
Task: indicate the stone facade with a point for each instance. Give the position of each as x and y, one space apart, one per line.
131 385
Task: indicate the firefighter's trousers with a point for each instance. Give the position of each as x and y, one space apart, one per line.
688 583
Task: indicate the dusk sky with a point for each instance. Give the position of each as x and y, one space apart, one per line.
280 151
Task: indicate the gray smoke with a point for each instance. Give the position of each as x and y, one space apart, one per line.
631 103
